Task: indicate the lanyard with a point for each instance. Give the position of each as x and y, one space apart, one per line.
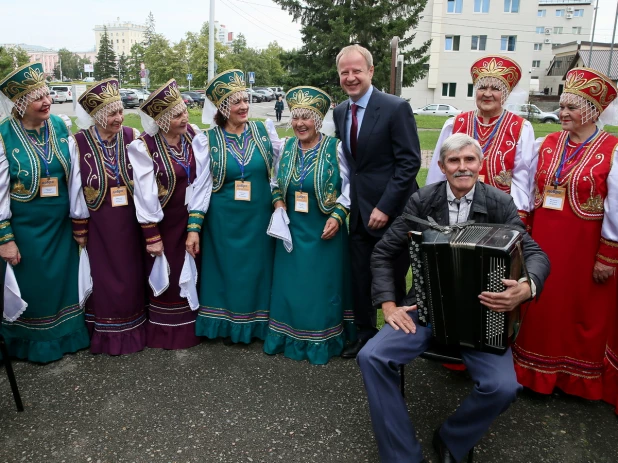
491 136
306 161
112 164
183 161
572 156
239 151
42 153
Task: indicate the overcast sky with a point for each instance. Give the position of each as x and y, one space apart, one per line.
70 23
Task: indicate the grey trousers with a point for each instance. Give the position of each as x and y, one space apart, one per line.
495 388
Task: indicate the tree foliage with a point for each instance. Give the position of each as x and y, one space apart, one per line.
11 58
72 64
105 65
330 25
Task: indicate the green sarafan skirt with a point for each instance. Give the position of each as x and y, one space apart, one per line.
53 323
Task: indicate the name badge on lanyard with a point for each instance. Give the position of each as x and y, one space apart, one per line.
49 187
301 203
188 194
242 190
554 197
119 196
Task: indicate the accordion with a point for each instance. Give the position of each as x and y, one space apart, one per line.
451 267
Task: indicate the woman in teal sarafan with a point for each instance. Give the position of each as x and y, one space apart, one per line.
311 303
36 236
237 254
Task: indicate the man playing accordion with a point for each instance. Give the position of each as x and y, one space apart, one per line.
459 199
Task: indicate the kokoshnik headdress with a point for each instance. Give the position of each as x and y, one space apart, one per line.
160 107
593 92
498 71
21 87
101 100
309 101
223 90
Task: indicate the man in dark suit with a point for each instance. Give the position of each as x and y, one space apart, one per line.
381 144
458 199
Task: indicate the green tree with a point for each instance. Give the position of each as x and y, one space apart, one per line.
197 55
123 67
329 25
151 32
239 44
11 58
136 58
158 59
105 65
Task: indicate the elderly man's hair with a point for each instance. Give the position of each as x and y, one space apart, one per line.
352 48
457 142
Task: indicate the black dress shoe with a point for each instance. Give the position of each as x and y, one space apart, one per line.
351 350
445 454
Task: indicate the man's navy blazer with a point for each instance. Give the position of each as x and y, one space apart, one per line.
388 157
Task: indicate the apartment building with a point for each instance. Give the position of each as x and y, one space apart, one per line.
223 35
558 23
464 30
122 34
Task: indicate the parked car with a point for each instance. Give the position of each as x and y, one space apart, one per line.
533 113
129 99
187 99
268 94
64 90
278 91
141 94
438 110
57 97
198 98
89 79
255 96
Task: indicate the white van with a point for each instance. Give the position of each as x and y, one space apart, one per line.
63 90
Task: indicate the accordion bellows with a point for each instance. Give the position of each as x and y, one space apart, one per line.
450 270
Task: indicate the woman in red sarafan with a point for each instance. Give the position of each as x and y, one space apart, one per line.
564 332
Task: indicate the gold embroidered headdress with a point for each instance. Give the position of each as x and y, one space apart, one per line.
22 86
102 99
161 106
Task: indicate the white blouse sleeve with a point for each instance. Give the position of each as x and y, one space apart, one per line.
5 184
78 208
274 139
273 178
524 169
344 172
147 205
202 185
435 175
609 230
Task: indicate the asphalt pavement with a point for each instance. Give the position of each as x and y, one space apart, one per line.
215 403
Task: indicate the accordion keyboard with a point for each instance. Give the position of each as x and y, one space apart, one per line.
494 332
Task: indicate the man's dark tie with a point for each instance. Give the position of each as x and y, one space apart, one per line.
353 130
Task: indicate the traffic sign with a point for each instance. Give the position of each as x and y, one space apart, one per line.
189 76
251 77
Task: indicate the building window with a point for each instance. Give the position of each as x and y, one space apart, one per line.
481 6
470 90
449 89
541 13
479 42
538 46
577 30
454 6
451 43
557 30
558 64
511 6
507 42
559 12
578 13
117 41
540 30
536 63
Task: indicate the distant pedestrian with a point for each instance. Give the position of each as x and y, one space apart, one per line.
279 107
